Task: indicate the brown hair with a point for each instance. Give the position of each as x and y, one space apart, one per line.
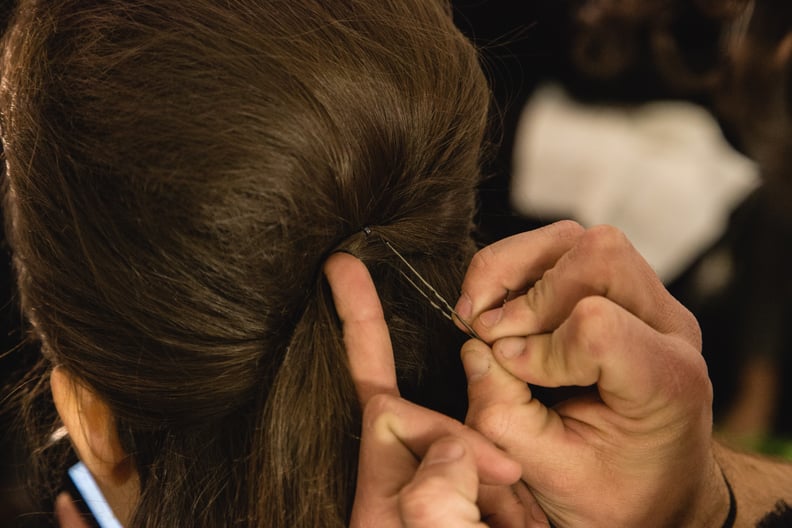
176 177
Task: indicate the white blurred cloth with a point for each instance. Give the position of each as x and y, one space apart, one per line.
662 172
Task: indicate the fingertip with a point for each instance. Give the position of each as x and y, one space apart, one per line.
509 347
339 264
476 359
354 294
475 346
464 306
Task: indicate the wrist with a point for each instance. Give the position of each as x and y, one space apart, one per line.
713 505
731 515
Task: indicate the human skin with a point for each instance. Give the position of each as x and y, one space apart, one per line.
67 514
638 453
417 468
638 450
586 464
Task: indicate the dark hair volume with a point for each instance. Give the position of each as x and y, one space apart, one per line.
176 177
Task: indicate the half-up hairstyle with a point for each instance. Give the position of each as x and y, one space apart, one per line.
176 175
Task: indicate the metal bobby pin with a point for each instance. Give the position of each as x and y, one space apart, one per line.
433 296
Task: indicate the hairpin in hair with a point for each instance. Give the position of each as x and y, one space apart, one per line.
423 287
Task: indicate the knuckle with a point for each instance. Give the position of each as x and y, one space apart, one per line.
691 329
590 325
483 259
380 403
566 229
704 383
591 310
378 408
604 240
698 382
539 293
683 382
493 421
598 257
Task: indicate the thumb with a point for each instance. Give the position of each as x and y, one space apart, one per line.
493 390
503 409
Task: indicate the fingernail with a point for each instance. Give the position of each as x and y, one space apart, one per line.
491 318
444 451
510 347
476 364
464 307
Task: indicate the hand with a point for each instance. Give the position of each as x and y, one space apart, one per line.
67 514
416 467
633 450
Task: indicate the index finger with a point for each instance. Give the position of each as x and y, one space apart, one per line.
67 514
513 264
366 336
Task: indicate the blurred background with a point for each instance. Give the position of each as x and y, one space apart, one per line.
667 118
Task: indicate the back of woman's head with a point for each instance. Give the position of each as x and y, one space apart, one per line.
176 176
